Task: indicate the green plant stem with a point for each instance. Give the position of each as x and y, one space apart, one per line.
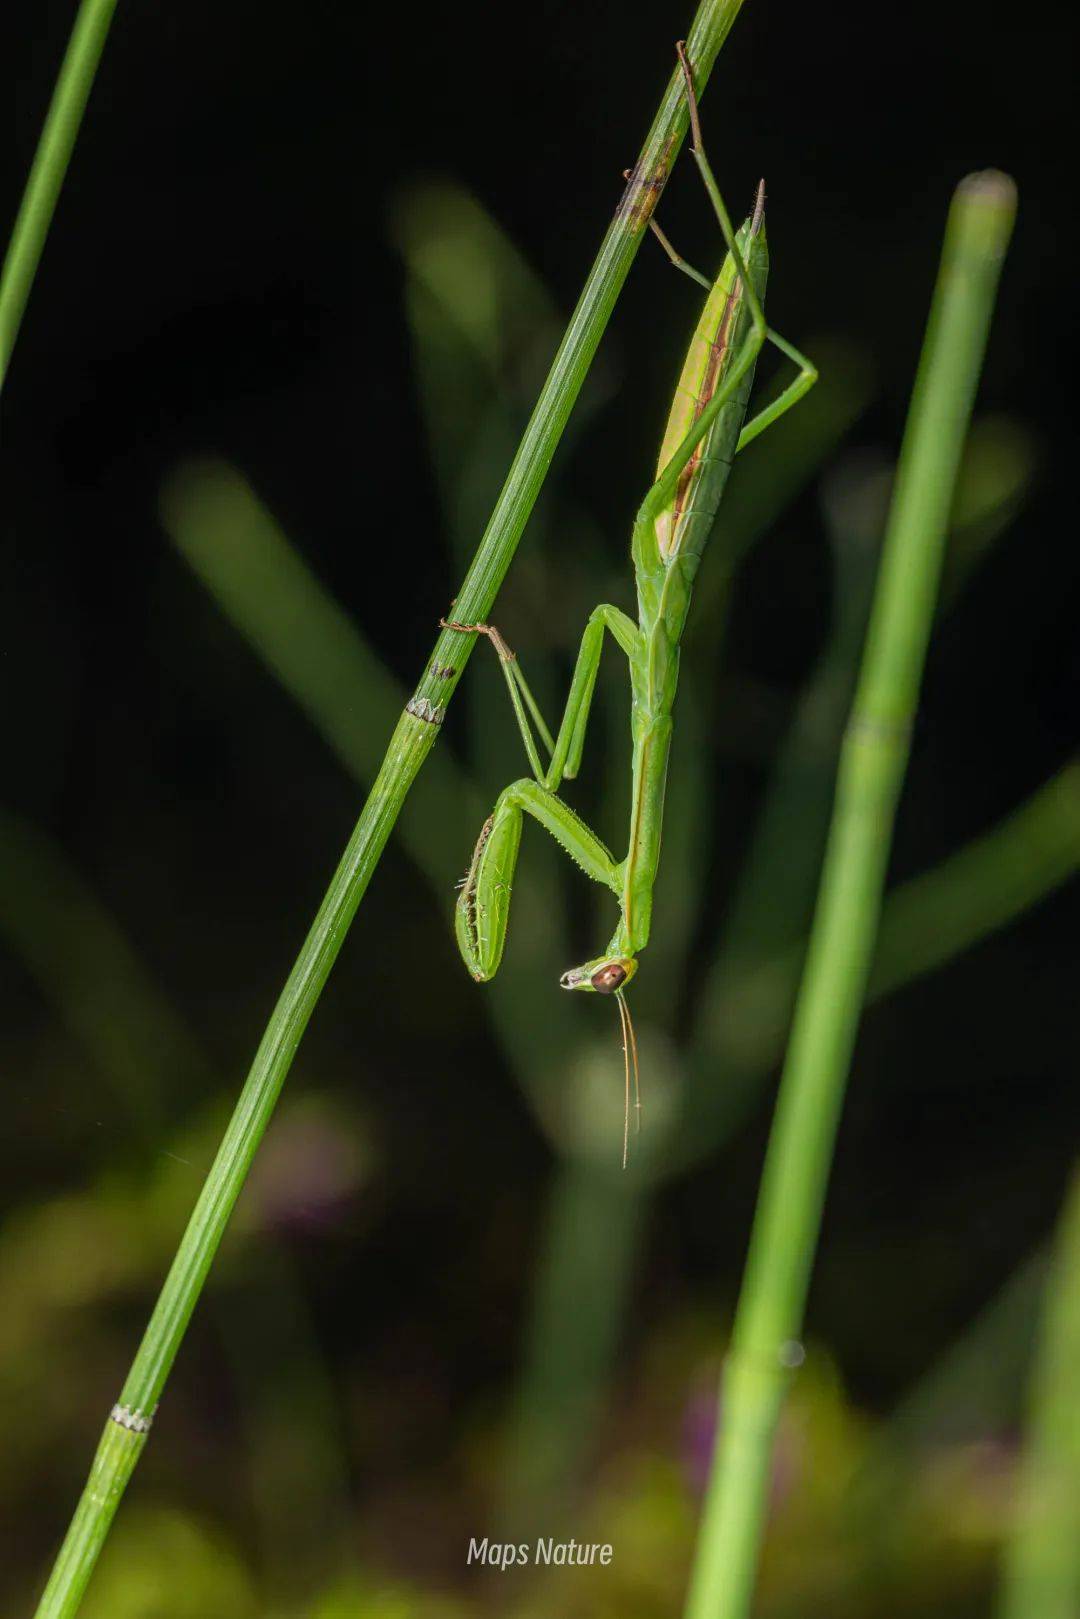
49 168
1042 1555
410 744
873 759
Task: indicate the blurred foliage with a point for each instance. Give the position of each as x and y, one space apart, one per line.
167 1562
315 1464
1042 1564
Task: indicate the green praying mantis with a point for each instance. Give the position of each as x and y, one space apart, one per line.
706 429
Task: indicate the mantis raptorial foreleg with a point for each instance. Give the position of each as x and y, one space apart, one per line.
482 912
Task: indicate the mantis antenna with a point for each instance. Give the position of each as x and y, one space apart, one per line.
629 1046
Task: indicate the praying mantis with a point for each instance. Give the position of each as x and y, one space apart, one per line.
706 428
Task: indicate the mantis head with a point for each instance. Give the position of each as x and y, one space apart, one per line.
604 976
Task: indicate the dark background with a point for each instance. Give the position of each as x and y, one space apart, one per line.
220 279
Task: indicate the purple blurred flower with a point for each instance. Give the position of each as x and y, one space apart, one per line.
699 1429
309 1170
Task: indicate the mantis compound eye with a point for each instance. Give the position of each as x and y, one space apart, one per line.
605 975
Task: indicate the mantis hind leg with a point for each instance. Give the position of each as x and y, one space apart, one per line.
808 375
482 914
697 149
807 370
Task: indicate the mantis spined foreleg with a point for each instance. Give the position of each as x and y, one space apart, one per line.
706 428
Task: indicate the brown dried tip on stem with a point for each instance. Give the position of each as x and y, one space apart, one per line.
691 93
989 185
983 212
759 209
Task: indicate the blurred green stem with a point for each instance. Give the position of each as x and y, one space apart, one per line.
84 963
587 1250
927 921
49 168
1042 1557
934 917
314 651
413 738
873 759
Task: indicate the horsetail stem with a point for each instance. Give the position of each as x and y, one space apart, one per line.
768 1322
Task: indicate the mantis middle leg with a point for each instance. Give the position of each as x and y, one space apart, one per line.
482 912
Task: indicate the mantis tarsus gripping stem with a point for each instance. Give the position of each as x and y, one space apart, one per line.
706 427
518 688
